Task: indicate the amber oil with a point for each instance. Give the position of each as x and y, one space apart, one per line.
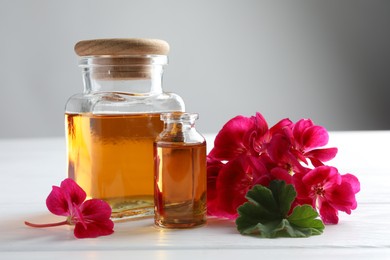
111 158
180 180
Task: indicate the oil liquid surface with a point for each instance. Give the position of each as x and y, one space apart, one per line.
111 158
180 185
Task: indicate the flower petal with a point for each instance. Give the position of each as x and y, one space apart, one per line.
78 217
213 168
323 155
229 142
240 135
95 210
260 173
279 152
57 203
303 191
309 136
96 215
260 123
326 176
73 192
278 149
94 229
342 197
299 129
328 214
282 124
353 181
315 136
233 182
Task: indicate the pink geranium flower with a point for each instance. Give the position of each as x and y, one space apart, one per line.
91 218
328 191
246 152
239 136
307 137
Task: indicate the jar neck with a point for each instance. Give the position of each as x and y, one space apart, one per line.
137 75
178 121
177 127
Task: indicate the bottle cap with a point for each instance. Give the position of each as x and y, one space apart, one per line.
121 59
121 46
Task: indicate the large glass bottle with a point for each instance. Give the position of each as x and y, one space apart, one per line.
180 173
112 125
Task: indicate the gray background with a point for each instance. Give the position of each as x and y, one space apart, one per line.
326 60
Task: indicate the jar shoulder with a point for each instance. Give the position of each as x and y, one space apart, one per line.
189 137
115 102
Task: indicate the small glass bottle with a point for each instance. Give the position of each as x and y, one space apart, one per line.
112 125
180 173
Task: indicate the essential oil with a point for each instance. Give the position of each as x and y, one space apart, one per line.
111 158
180 177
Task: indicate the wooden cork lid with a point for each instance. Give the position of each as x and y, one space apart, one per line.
118 47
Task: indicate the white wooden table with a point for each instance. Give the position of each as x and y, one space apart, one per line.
29 167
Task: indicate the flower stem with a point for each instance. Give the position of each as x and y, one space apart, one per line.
46 225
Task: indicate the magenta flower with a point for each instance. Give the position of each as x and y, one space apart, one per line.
91 218
328 191
306 138
246 152
239 136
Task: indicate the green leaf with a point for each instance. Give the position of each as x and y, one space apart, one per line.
265 213
283 194
305 218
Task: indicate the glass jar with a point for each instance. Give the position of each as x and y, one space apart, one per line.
112 125
180 173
